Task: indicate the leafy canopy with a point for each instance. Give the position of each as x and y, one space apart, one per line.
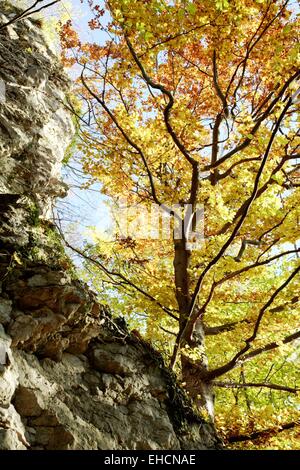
193 101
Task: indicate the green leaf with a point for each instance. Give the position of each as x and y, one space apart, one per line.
148 35
192 8
287 29
140 27
181 13
222 4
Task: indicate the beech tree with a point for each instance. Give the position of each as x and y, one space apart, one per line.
193 103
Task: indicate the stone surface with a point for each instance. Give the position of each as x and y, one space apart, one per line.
76 380
35 127
71 375
5 311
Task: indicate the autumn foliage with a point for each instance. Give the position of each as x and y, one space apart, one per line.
197 102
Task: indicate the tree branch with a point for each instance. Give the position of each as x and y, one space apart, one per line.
215 147
217 86
193 314
270 346
255 265
132 144
264 433
243 247
239 355
215 330
166 112
240 162
218 120
255 385
260 191
249 49
28 12
255 128
175 36
97 263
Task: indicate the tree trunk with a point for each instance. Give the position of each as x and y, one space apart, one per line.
192 373
182 281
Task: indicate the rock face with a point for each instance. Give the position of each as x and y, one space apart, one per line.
71 376
35 127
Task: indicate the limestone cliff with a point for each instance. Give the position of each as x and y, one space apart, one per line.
71 376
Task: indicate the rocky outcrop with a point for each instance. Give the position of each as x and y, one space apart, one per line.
71 375
35 127
74 378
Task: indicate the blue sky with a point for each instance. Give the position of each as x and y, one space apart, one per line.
81 208
80 14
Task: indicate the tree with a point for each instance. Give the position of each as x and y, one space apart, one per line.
195 103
